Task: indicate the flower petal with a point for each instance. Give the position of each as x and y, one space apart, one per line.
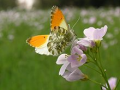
76 50
85 42
76 61
63 68
73 76
61 59
99 33
112 81
95 34
89 32
73 60
84 59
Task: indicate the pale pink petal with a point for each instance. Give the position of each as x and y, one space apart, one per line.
82 47
103 88
63 68
89 32
61 59
112 81
70 69
86 42
99 33
76 50
73 59
95 34
83 60
73 76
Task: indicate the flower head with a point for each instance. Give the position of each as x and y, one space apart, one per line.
62 59
77 58
68 72
86 42
95 34
71 74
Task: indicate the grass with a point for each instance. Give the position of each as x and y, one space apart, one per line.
22 69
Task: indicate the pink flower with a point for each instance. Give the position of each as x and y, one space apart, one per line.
86 42
77 58
79 45
62 59
95 34
112 83
68 72
71 74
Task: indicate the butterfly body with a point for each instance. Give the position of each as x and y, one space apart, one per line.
58 39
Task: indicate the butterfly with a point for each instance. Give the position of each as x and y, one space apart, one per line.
59 38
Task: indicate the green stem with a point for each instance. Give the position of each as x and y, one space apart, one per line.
101 70
95 82
92 69
99 64
117 84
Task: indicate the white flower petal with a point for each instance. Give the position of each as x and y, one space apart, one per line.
85 42
73 76
83 60
63 68
89 32
99 33
61 59
76 50
95 34
112 81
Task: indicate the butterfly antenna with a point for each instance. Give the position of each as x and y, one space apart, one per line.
76 22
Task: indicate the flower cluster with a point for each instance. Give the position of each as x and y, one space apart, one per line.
71 63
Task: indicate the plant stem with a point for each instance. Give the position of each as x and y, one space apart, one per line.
95 82
117 84
92 69
99 65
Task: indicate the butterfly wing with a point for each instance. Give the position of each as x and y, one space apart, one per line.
40 43
57 19
58 39
60 36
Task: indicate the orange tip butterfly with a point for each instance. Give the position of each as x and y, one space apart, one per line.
59 38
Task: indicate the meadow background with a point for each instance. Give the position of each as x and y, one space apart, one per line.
23 69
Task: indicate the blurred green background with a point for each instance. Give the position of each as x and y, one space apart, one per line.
22 69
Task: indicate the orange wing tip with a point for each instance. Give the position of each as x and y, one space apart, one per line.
57 19
38 41
54 8
28 41
53 11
